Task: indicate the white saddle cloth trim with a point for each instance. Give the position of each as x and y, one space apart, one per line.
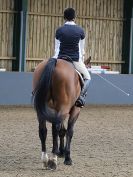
81 78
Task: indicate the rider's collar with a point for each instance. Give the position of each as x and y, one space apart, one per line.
70 23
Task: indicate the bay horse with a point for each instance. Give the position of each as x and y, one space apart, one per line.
56 88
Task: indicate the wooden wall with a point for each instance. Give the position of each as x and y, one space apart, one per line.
101 19
6 33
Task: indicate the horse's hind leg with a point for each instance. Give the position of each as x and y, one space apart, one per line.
52 163
62 134
43 135
69 134
55 133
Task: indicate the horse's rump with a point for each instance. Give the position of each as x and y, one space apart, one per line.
58 85
65 84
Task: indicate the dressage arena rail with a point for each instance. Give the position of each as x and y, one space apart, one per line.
16 89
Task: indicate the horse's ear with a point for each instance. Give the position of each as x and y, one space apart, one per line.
87 62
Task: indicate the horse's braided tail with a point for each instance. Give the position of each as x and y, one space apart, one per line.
41 92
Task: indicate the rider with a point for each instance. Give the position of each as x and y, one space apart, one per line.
70 41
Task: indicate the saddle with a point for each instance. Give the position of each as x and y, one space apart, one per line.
69 59
66 57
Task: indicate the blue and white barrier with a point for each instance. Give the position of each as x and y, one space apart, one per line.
16 88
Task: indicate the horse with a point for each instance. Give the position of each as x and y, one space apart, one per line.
56 87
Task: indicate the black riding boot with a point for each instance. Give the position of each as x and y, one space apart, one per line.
81 100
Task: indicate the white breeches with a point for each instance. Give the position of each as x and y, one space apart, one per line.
80 66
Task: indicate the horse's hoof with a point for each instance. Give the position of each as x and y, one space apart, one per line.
44 159
52 164
68 162
44 164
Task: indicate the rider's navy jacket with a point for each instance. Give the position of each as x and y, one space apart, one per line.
68 38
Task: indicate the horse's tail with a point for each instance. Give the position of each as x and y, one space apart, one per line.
41 93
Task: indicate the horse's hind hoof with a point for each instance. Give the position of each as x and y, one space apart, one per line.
68 162
52 164
45 165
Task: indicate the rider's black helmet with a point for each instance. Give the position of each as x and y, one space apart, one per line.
69 14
